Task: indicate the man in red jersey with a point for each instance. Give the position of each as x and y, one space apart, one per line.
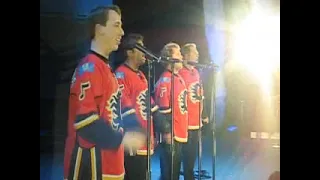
136 89
97 133
163 93
191 77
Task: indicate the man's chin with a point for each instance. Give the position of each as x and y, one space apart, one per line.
115 47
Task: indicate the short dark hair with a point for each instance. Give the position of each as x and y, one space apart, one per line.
128 41
126 44
274 176
100 15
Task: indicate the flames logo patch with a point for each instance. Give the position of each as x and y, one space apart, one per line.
114 107
142 102
182 99
194 92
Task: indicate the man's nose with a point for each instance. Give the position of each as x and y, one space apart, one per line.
122 32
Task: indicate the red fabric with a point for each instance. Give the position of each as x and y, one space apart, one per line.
192 79
95 88
163 99
135 94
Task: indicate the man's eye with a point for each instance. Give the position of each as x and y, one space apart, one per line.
117 25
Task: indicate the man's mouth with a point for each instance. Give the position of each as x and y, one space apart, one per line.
118 40
143 58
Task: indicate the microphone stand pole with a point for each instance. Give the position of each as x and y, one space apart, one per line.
172 117
200 133
213 116
148 98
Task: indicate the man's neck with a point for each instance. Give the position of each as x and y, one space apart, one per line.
175 71
188 66
99 48
132 65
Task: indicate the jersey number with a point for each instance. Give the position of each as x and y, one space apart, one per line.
163 90
83 88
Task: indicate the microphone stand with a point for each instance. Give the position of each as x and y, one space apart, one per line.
148 98
200 133
172 121
213 116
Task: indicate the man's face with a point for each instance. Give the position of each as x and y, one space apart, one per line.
176 54
137 56
113 32
193 55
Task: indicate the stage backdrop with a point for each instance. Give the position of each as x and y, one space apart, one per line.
70 7
215 36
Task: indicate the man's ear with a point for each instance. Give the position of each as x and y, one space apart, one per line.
130 52
99 29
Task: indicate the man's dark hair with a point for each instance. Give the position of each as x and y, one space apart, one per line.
100 15
127 43
275 176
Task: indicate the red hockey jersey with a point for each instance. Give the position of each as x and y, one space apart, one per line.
135 89
163 100
93 147
195 95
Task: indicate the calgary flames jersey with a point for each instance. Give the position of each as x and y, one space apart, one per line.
93 147
195 96
163 100
134 98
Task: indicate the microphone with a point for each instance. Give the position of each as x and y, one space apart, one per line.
145 51
196 64
151 55
170 60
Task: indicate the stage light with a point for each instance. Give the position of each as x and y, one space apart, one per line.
256 46
232 128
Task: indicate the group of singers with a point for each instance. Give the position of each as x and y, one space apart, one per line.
107 121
